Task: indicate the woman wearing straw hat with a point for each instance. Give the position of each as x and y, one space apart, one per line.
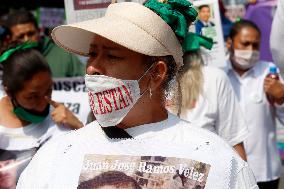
134 52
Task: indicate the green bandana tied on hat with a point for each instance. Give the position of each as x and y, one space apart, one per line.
193 42
176 13
8 53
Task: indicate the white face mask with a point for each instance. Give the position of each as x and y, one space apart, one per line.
111 99
245 59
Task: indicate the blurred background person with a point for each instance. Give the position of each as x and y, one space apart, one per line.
248 78
22 26
205 97
28 117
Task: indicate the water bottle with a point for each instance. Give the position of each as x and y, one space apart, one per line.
274 75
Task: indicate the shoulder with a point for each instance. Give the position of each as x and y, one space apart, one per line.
261 69
215 78
214 73
190 134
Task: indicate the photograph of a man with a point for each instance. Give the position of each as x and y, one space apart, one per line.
203 21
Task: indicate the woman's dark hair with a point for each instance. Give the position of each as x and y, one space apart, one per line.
238 26
202 6
171 67
112 178
20 67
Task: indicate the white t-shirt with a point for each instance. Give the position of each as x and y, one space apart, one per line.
217 109
18 145
261 145
87 153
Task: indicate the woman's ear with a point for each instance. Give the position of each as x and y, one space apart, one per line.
158 74
229 43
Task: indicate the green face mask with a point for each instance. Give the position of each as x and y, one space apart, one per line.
29 116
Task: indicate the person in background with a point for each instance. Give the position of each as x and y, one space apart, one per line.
248 76
28 117
128 71
226 22
205 97
23 27
277 38
204 15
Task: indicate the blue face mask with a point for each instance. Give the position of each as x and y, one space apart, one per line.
30 116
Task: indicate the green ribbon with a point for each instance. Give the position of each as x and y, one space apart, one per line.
178 14
193 42
8 53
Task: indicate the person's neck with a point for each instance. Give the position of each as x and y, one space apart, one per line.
9 119
239 71
151 111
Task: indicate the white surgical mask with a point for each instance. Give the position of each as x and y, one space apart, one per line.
245 59
111 99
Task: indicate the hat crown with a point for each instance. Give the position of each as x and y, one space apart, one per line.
149 21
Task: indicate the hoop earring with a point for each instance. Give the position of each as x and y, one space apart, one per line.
150 92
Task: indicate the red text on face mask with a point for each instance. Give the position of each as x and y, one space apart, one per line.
110 100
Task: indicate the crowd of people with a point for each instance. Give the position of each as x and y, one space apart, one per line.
152 95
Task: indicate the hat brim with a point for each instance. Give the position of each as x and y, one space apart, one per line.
77 37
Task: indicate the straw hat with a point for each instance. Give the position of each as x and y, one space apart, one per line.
128 24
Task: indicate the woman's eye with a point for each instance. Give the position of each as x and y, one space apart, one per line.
114 57
92 54
32 97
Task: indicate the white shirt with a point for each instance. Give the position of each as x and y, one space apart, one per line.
30 136
20 144
64 163
261 146
217 109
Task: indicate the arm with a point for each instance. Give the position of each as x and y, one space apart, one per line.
230 123
241 150
275 89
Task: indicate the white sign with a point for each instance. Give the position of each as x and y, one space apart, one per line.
81 10
210 28
73 93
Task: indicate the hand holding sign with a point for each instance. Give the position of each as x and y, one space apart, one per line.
62 115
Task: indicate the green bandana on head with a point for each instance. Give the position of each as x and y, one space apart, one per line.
176 13
8 53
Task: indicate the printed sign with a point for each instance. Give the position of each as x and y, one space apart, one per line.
208 24
73 93
81 10
141 172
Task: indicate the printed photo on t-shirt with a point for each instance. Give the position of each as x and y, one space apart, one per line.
141 172
12 164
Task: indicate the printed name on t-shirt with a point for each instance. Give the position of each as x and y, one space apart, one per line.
146 171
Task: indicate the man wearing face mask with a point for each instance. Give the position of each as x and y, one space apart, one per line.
248 76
